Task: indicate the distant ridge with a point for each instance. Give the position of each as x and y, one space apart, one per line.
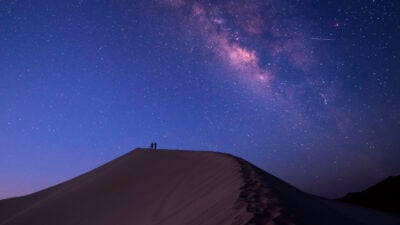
170 187
384 195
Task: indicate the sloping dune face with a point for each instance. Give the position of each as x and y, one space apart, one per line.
179 187
142 187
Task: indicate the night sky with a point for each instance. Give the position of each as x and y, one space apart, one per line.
307 90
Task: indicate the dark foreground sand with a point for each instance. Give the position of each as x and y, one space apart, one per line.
180 187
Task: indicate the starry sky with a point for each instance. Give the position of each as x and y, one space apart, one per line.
307 90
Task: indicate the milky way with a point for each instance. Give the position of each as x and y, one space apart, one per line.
228 28
259 43
307 90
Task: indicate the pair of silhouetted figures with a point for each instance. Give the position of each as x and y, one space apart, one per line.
153 145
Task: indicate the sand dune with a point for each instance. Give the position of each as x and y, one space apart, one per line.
179 187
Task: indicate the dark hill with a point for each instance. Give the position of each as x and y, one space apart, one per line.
383 196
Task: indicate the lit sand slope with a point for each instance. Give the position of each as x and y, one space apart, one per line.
178 187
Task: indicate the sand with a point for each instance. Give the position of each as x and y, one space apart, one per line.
179 187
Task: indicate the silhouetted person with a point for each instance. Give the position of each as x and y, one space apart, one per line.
152 145
155 145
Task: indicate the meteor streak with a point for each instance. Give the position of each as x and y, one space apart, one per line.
322 39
